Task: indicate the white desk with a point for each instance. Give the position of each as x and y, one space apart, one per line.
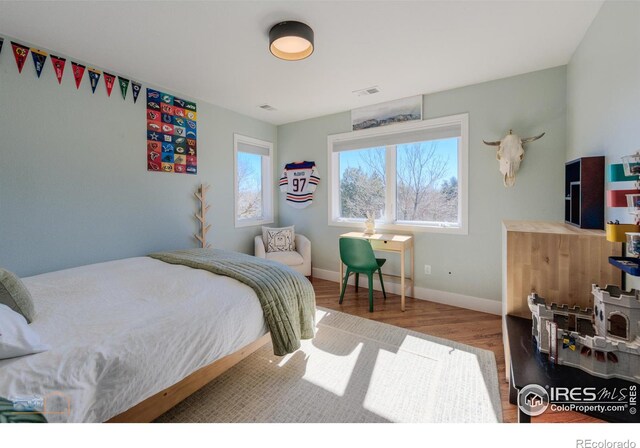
386 242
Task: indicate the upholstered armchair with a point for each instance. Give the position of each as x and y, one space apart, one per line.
299 260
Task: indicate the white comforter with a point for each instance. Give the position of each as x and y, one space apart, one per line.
124 330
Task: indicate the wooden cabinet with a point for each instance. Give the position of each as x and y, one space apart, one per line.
556 260
584 192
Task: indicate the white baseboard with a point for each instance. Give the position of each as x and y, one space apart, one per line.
432 295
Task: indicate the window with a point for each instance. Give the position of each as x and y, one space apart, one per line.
362 182
618 325
585 327
411 176
562 320
253 181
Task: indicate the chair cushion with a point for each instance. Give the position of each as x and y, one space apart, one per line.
289 258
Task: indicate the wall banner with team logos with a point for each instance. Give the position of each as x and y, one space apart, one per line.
135 89
171 134
94 77
109 81
78 73
39 57
124 85
58 67
20 53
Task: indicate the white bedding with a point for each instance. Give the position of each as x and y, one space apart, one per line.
124 330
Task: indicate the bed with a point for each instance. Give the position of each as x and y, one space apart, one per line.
131 338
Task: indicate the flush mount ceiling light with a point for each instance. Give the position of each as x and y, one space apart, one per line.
291 41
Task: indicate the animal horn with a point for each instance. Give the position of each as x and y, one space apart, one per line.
494 143
532 139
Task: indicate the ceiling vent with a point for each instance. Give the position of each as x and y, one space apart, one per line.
267 107
367 91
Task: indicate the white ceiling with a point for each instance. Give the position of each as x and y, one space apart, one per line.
218 51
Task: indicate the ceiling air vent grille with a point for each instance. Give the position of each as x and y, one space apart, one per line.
367 91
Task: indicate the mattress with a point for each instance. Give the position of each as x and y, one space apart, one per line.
124 330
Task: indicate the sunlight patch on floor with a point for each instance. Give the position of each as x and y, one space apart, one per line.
401 383
330 371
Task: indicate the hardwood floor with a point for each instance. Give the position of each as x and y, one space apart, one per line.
457 324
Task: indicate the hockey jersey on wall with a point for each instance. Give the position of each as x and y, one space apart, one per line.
299 181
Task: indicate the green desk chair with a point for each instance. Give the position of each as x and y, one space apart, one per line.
358 255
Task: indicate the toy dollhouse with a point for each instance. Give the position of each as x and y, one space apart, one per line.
604 341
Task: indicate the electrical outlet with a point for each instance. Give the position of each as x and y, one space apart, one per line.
427 269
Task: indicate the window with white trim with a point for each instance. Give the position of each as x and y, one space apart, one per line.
411 176
253 180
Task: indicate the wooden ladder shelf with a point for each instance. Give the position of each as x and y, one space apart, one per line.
201 216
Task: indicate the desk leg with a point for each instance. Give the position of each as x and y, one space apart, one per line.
402 274
413 272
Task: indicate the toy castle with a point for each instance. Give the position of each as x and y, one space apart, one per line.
604 341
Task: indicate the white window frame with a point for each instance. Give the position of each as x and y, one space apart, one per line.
267 182
389 222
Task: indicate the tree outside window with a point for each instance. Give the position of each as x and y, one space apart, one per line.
253 181
249 185
426 181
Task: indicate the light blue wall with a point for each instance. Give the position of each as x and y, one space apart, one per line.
603 95
73 182
528 104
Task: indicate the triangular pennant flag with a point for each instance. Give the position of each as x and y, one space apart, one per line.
135 89
109 80
20 52
38 60
78 73
94 77
58 66
1 42
124 85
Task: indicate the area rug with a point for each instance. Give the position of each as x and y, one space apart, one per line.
354 370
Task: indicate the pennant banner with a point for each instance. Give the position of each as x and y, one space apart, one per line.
20 52
39 57
94 77
109 80
124 85
135 89
78 73
58 66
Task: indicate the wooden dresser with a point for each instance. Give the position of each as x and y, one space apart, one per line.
554 259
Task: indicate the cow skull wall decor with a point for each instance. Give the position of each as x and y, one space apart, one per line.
510 154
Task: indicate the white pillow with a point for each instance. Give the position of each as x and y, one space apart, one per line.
279 239
17 338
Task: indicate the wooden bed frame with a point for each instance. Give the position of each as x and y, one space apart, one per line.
153 407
